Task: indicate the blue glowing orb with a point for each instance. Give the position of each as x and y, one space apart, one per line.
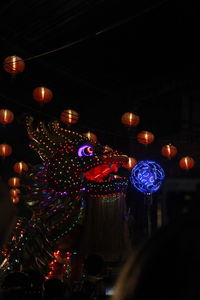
147 176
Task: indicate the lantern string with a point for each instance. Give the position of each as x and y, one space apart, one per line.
104 30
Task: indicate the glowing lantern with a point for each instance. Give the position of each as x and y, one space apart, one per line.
5 150
69 116
169 151
42 94
186 163
130 119
147 176
13 64
14 192
6 116
15 200
20 166
132 162
91 136
14 182
145 137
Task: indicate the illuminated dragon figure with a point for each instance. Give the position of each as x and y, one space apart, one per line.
74 170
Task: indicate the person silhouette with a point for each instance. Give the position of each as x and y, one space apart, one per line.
166 266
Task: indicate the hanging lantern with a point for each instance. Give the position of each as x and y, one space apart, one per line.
5 150
186 163
69 116
6 116
145 137
20 166
15 200
132 162
91 136
13 64
42 94
130 119
14 192
14 182
169 151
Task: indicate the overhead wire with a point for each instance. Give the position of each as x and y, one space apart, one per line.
102 31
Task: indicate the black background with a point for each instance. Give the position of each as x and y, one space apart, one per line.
140 56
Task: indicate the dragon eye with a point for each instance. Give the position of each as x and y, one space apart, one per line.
85 150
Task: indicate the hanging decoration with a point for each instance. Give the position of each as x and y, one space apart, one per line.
6 116
132 162
20 167
91 136
15 200
147 176
14 192
42 94
5 150
169 151
130 119
13 64
72 168
186 163
69 116
14 182
145 137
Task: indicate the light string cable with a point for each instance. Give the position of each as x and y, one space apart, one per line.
104 30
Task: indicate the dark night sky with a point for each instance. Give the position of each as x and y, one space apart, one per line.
145 60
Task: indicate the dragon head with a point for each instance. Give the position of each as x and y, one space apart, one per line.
72 163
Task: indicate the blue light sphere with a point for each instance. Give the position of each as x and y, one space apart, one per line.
147 176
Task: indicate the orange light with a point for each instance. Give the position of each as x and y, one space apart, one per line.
42 94
15 200
14 182
14 192
13 64
6 116
5 150
20 166
186 163
132 162
169 151
145 137
130 119
91 136
69 116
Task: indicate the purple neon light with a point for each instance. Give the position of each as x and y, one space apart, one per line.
82 151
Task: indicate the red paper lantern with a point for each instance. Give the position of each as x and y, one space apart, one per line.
20 166
130 119
145 137
14 192
69 116
132 162
91 136
15 200
13 64
14 182
5 150
6 116
42 94
186 163
169 151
